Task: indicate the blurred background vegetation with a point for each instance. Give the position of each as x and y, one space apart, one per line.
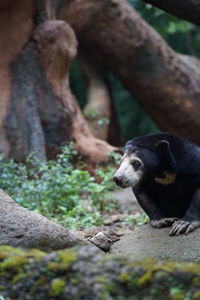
180 35
63 189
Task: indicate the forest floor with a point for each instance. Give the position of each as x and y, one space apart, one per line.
140 242
117 222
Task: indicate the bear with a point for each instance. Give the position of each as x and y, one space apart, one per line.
164 173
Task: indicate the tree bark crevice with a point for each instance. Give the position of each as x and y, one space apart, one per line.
22 124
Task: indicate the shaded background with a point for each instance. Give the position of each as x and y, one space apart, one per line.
181 35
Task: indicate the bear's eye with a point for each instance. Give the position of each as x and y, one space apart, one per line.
136 164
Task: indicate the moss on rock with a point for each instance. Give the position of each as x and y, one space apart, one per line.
196 295
86 273
57 286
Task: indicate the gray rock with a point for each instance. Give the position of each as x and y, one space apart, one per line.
149 242
102 241
20 227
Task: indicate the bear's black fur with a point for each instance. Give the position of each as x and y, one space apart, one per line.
169 191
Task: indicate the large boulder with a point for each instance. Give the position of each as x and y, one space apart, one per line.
20 227
149 242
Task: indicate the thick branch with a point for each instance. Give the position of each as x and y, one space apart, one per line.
188 10
165 83
59 109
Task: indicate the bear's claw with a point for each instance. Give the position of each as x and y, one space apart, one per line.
183 226
164 222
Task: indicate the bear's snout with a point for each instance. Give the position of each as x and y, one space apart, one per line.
118 180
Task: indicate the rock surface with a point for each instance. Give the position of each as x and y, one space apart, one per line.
20 227
126 199
102 241
148 242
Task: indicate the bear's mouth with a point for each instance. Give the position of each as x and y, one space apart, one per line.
123 183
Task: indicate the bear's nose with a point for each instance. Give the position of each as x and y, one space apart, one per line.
118 180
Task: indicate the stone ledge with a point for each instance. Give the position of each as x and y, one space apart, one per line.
146 241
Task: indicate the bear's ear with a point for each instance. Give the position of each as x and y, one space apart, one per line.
162 146
128 145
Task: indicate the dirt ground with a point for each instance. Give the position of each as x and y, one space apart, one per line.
115 223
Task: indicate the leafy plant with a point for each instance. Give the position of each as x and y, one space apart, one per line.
58 189
137 219
103 121
91 114
182 36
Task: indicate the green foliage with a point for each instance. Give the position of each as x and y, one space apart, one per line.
132 118
182 36
77 84
91 114
103 121
57 286
137 219
177 294
58 189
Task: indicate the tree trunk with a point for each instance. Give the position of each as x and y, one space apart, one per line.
166 83
14 35
56 43
98 107
188 10
99 110
38 111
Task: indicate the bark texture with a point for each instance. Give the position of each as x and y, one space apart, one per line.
13 37
188 10
56 43
165 83
39 113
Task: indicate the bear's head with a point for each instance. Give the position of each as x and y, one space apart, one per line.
146 162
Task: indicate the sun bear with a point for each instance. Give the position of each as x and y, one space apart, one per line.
164 173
